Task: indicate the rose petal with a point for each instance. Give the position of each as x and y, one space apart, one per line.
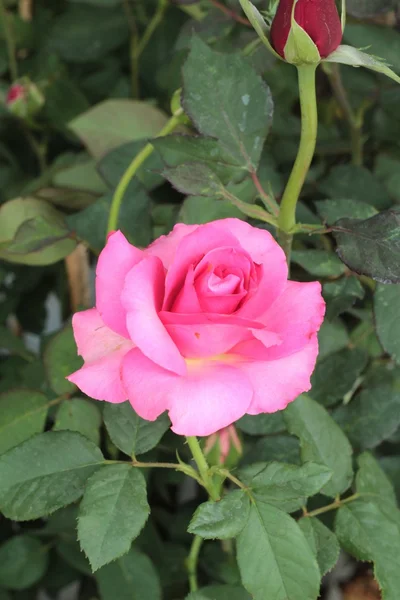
93 338
277 382
141 298
206 340
115 261
165 246
101 379
210 397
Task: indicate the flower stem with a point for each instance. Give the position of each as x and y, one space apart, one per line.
309 127
10 41
133 168
203 467
152 26
191 563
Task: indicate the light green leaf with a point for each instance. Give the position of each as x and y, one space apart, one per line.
238 115
323 542
274 558
259 24
321 441
22 414
23 562
60 359
131 577
372 481
129 432
285 486
370 535
387 318
221 520
46 472
113 511
347 55
114 122
79 415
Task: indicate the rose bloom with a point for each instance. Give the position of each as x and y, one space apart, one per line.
319 18
203 324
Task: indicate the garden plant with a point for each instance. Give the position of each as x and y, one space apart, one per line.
199 298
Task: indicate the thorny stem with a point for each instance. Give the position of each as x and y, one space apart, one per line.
203 467
335 505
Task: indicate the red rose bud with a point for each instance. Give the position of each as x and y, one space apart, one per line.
223 448
318 18
24 99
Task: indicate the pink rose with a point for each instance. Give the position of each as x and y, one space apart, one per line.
203 323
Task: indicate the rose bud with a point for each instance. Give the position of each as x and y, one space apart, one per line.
319 19
223 448
24 99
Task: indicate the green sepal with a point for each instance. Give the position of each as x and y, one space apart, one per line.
259 24
300 49
343 15
347 55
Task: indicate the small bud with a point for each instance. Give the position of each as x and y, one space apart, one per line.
223 448
306 31
24 99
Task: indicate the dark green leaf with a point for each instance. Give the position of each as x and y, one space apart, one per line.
322 541
371 417
227 100
220 592
61 359
46 472
387 318
131 577
321 441
277 447
129 432
319 263
79 415
70 551
341 295
355 183
222 520
371 247
36 234
23 562
275 560
332 210
263 424
370 535
332 337
372 481
285 486
13 344
22 414
336 375
113 511
196 179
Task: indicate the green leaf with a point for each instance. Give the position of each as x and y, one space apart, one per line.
341 295
129 432
319 263
196 179
79 415
131 577
176 150
322 541
321 441
285 486
60 359
369 8
26 226
113 511
221 520
387 315
220 592
332 337
263 424
196 210
355 183
371 247
332 210
23 562
227 100
46 472
336 375
70 551
259 24
382 41
277 447
114 122
371 417
274 558
23 413
371 479
347 55
13 344
370 535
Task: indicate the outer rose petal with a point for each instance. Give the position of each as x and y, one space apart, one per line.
142 297
115 262
202 341
165 246
93 338
276 383
296 315
211 396
101 379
